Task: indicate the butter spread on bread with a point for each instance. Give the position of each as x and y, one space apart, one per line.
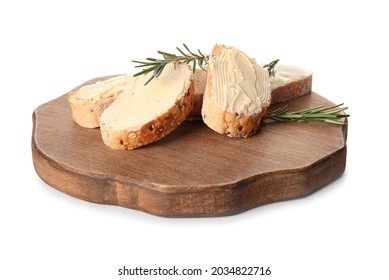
289 82
90 101
237 93
143 114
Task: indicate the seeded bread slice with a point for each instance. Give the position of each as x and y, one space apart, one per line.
90 101
144 114
237 93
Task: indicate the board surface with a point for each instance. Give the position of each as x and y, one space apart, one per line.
192 172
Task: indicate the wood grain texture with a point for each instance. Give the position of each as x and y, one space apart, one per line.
192 172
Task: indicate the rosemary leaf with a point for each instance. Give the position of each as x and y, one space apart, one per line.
335 122
167 56
144 72
184 54
194 66
193 54
270 67
303 111
158 71
201 54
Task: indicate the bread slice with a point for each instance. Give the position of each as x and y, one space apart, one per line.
237 93
90 101
199 82
143 114
289 82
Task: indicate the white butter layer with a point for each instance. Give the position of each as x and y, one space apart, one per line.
140 104
285 74
239 84
104 89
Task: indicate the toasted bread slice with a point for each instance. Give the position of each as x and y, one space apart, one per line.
90 101
143 114
237 93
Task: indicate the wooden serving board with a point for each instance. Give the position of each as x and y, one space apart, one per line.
192 172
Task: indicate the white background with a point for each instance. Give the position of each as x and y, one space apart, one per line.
339 232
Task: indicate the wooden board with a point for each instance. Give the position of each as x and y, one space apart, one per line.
193 172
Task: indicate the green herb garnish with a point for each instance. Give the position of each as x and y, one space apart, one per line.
156 65
332 114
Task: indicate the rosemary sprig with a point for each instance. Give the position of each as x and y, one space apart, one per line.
332 114
270 67
157 65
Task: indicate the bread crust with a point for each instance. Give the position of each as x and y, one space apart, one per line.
87 113
291 90
197 105
199 82
233 124
153 130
